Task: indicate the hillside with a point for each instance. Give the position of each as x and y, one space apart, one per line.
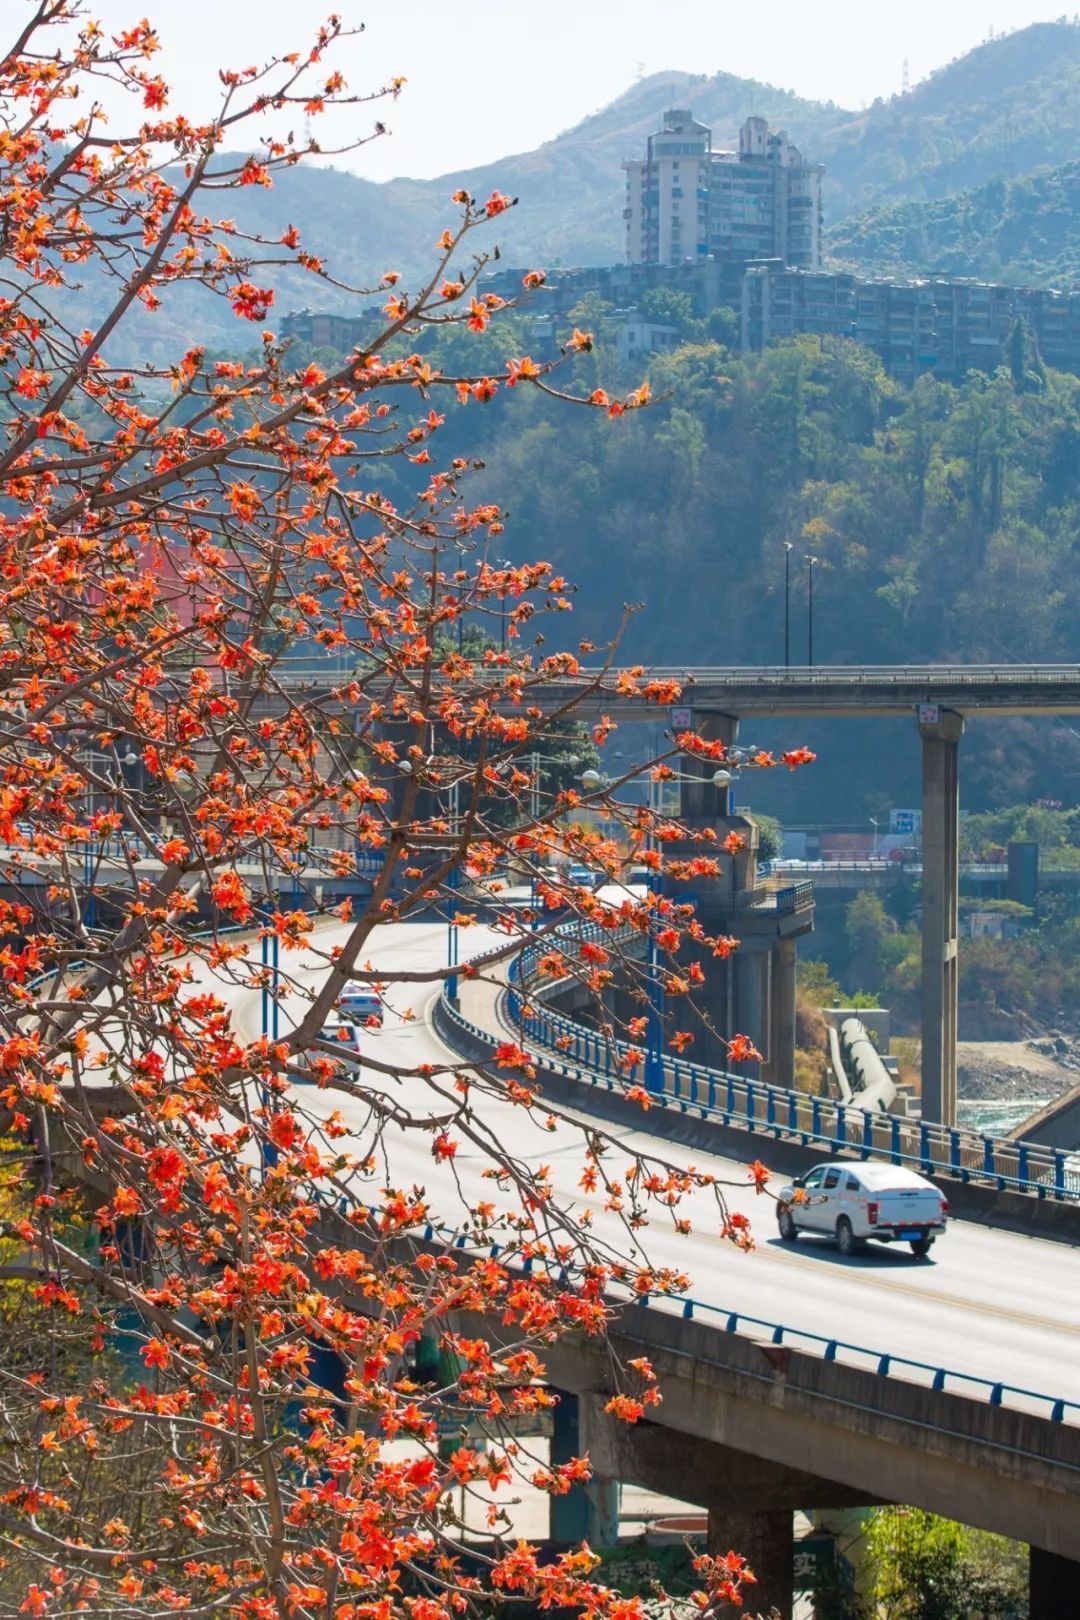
1024 230
1008 107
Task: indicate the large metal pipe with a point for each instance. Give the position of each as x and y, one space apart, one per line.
871 1083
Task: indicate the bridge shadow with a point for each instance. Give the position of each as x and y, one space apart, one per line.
824 1250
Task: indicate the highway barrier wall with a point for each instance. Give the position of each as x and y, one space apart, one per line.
983 1178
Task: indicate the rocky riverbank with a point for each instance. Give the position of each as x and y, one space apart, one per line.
1007 1071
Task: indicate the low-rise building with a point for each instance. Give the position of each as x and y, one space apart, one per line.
638 335
324 329
777 303
942 325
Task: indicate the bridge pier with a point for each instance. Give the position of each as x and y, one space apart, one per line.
940 730
765 1540
587 1512
753 992
1054 1592
750 1500
780 1069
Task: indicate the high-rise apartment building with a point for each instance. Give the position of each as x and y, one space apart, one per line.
685 201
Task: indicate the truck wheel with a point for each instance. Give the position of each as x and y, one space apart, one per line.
846 1240
921 1247
785 1220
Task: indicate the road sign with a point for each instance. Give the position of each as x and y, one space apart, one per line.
929 713
905 822
813 1562
682 719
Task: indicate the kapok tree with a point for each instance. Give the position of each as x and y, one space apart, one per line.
240 754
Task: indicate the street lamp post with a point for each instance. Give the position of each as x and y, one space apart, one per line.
452 941
504 562
810 564
787 604
270 946
654 1046
874 824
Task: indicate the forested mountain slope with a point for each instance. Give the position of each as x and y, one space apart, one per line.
1022 230
1008 107
945 520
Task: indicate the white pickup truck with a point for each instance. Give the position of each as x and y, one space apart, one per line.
853 1202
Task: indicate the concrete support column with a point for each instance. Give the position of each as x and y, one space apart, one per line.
765 1541
940 730
782 1052
702 804
752 998
587 1512
1055 1587
699 798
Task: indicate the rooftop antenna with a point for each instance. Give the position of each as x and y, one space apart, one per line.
905 81
640 72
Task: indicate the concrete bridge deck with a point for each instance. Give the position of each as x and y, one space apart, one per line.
866 690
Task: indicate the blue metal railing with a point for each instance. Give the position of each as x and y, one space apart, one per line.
885 1363
601 1059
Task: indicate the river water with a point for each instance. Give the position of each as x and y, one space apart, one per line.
995 1116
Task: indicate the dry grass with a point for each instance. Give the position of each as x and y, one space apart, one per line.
907 1050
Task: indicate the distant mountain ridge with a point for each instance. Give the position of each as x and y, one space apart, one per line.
1009 107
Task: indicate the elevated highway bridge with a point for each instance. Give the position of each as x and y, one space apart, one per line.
740 1429
821 691
791 1377
713 699
938 698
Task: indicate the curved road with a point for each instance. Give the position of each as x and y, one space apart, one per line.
988 1304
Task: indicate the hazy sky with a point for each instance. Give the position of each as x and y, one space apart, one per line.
488 80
